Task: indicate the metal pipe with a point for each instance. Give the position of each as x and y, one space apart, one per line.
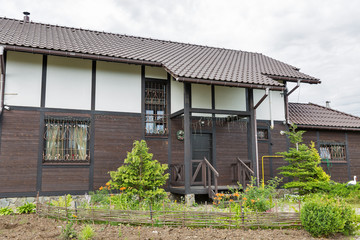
2 79
270 113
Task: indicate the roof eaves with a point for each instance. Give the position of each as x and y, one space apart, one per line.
293 79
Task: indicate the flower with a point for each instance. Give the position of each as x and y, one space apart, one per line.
101 188
74 216
244 198
107 184
122 188
231 200
236 194
252 200
218 194
111 195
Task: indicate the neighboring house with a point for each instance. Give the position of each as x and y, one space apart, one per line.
74 100
336 136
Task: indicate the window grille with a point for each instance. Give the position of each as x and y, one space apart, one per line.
333 152
262 134
155 108
66 140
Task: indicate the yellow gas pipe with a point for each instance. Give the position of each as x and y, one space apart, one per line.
262 165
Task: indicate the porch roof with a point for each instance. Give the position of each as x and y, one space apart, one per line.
310 115
185 62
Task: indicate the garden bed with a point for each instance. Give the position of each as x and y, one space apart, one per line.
34 227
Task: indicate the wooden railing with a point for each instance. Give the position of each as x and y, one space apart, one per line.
242 172
202 174
208 176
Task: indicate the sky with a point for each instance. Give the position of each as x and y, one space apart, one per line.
320 37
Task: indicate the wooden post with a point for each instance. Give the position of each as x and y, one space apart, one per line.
37 202
66 210
187 136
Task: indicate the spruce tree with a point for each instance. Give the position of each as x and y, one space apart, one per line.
303 164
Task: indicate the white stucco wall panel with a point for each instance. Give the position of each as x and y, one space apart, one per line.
118 87
23 79
68 83
200 96
230 98
177 95
277 106
155 72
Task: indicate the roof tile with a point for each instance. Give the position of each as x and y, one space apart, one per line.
182 60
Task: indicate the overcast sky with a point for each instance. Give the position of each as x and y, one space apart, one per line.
320 37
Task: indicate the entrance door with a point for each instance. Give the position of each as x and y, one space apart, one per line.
201 147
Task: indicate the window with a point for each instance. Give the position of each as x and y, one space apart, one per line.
66 140
155 108
333 152
262 134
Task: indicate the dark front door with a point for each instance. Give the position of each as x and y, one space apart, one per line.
201 147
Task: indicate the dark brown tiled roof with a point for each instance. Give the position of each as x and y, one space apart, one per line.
313 115
180 59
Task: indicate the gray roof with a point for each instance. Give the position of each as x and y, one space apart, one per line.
179 59
315 116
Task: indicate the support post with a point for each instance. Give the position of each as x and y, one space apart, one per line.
253 134
187 136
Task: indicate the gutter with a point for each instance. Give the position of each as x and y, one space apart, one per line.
2 79
311 81
328 128
80 55
229 84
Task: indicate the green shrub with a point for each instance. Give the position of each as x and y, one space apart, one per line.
140 176
27 208
322 216
6 211
69 232
260 198
61 201
87 233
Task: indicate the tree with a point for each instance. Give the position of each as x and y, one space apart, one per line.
303 164
140 175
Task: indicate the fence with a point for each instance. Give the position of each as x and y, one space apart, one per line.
174 218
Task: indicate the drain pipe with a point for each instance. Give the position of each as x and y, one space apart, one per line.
2 79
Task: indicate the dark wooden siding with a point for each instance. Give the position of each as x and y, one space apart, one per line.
159 148
231 142
354 153
114 136
177 147
65 179
19 151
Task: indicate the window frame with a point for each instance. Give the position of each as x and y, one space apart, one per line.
158 120
329 145
265 129
68 130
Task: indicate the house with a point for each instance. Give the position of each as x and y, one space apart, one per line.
74 100
336 136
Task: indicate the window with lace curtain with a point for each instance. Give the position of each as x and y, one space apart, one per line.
66 140
332 152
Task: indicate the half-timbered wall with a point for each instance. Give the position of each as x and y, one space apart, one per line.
23 79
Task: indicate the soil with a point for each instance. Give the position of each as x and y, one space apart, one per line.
35 227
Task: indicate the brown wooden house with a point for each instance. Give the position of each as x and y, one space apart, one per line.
72 102
336 136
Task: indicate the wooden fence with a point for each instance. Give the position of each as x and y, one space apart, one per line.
174 218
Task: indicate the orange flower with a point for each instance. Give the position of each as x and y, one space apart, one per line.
231 200
107 184
122 188
101 188
222 194
111 195
236 194
74 216
245 198
218 194
252 200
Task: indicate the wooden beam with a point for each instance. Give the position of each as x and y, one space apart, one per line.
187 137
219 111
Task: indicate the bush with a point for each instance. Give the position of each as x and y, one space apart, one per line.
322 216
68 232
27 208
87 233
6 211
141 176
260 198
61 201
